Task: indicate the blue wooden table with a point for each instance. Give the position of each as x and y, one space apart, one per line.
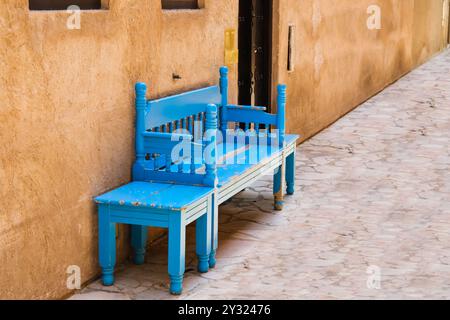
142 205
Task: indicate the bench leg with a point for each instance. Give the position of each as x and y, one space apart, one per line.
107 246
278 185
214 230
203 241
139 243
177 250
290 174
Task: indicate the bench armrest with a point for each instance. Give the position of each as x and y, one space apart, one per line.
248 108
257 116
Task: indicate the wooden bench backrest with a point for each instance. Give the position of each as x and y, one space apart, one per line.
165 111
187 113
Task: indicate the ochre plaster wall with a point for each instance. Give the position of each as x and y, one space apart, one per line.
340 62
67 116
67 122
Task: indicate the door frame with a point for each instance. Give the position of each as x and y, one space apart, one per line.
248 64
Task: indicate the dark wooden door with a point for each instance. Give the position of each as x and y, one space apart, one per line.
255 52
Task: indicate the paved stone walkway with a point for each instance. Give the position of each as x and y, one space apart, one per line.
373 203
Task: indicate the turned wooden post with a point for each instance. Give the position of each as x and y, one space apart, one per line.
210 151
224 94
141 102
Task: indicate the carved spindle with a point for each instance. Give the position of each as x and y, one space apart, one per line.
202 123
190 126
168 162
247 131
258 137
193 158
267 133
211 138
195 127
180 128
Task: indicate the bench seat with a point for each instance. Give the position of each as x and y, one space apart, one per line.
227 172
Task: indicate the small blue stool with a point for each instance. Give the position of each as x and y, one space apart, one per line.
142 205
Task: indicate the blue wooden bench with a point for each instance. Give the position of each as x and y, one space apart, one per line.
197 138
194 151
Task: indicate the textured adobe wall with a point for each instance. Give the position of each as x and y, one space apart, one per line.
446 23
67 123
340 62
429 28
192 46
67 119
